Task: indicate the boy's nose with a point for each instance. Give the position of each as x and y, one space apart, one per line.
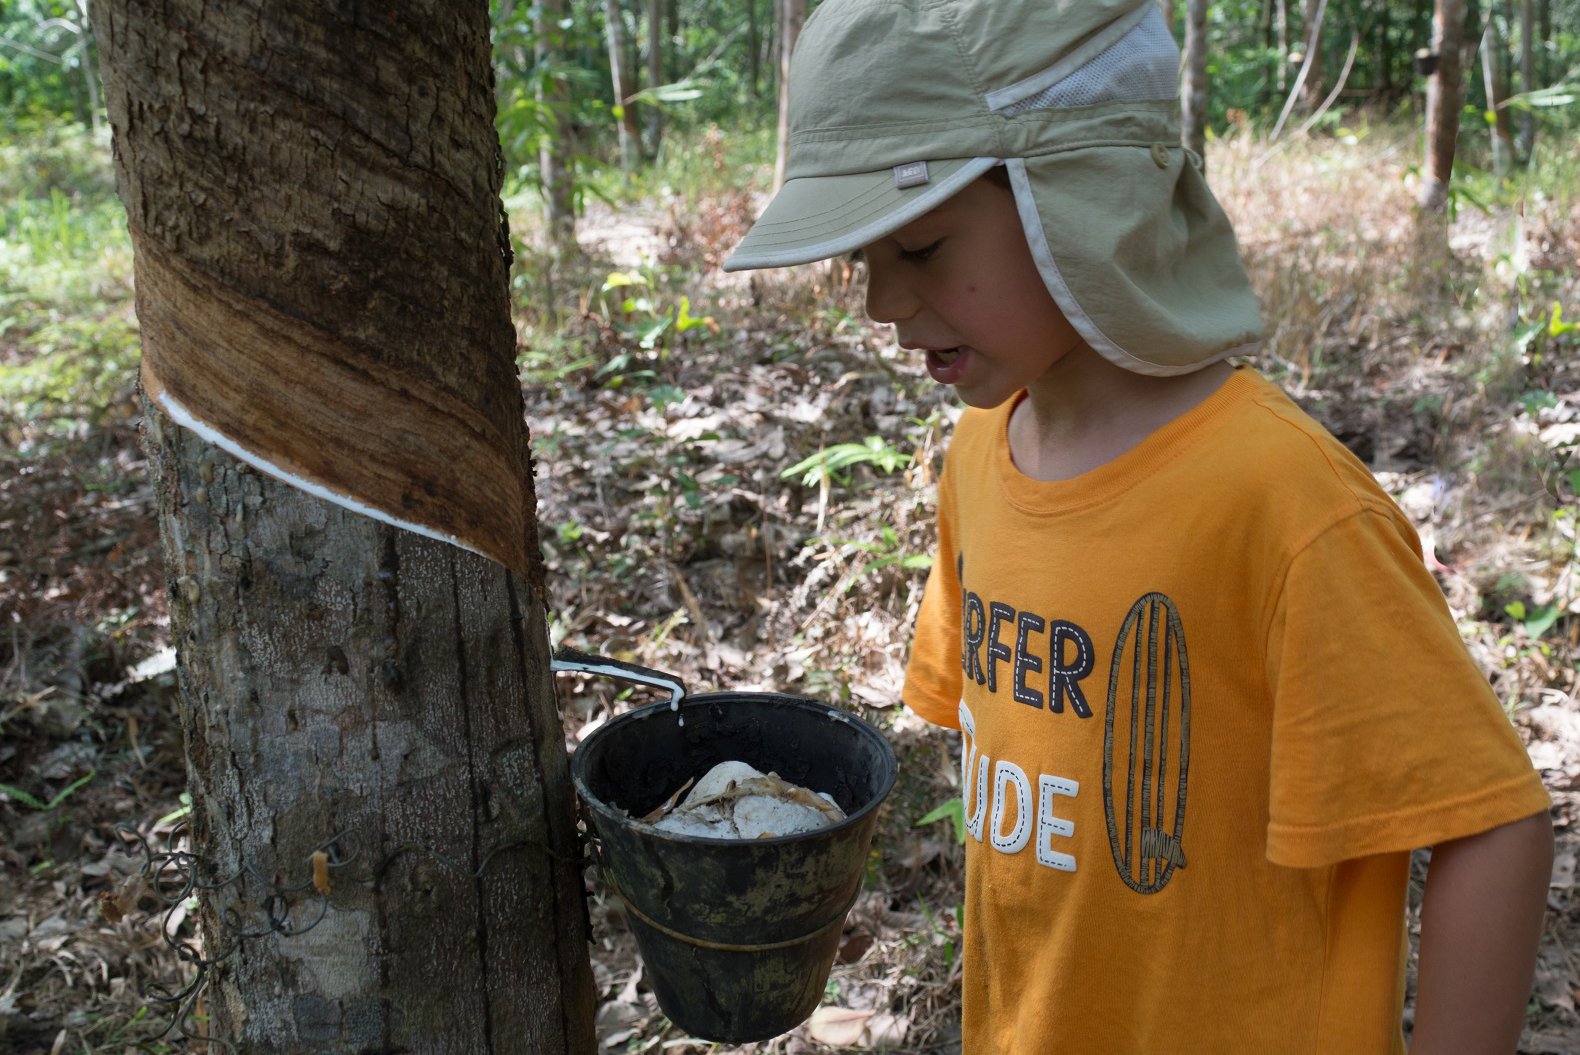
888 298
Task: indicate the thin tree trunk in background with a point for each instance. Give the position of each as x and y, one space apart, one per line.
791 14
556 163
1492 79
1544 34
625 116
1193 87
1282 22
1442 103
753 58
1313 88
347 688
1527 76
1169 14
672 33
655 72
1385 53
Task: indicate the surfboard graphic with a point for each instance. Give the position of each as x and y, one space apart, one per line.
1146 745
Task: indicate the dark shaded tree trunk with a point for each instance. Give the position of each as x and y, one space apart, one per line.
1193 87
791 14
350 692
556 162
1442 103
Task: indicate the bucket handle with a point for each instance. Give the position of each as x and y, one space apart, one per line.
574 659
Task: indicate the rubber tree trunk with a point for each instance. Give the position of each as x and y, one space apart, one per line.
1313 89
1442 103
753 49
620 75
1281 21
556 155
792 13
1497 93
1527 134
655 72
1193 86
379 783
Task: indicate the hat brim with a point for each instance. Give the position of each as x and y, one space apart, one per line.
817 217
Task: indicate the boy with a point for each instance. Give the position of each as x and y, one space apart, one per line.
1210 698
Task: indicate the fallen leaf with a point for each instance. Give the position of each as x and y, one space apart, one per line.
841 1027
855 947
844 1027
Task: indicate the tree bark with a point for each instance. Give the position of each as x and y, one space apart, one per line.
1312 88
1282 20
619 74
1492 78
1193 87
655 71
791 14
556 164
1442 103
1527 75
753 49
380 791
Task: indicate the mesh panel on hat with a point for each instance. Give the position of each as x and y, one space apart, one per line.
1142 65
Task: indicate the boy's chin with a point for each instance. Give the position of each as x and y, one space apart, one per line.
983 399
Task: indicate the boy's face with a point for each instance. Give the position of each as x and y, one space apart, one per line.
960 284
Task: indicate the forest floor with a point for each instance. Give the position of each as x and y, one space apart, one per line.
668 404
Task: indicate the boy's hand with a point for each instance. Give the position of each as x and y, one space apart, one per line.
1481 921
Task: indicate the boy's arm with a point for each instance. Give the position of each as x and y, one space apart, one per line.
1481 920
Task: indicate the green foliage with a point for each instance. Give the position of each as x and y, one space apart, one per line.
831 463
47 65
641 314
54 803
952 810
68 346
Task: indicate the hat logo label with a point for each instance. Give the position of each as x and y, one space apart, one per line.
911 174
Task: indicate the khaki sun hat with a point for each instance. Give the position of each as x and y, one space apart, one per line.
896 105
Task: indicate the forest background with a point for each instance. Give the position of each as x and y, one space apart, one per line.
735 472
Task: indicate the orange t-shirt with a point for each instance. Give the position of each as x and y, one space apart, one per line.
1210 700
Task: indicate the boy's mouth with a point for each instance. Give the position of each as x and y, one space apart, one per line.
946 365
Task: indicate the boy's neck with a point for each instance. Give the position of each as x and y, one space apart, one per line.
1085 412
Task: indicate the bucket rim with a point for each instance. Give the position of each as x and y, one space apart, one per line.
657 710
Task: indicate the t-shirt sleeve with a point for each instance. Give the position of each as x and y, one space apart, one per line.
932 675
1386 735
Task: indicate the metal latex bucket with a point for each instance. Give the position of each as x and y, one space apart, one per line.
737 936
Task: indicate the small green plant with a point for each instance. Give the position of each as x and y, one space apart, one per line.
887 552
953 810
1535 620
639 313
831 464
38 804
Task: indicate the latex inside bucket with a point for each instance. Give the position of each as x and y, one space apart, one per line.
737 936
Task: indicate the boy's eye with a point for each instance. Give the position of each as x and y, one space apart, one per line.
855 257
924 253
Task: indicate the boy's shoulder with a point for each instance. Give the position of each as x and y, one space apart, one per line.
1249 449
1266 439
